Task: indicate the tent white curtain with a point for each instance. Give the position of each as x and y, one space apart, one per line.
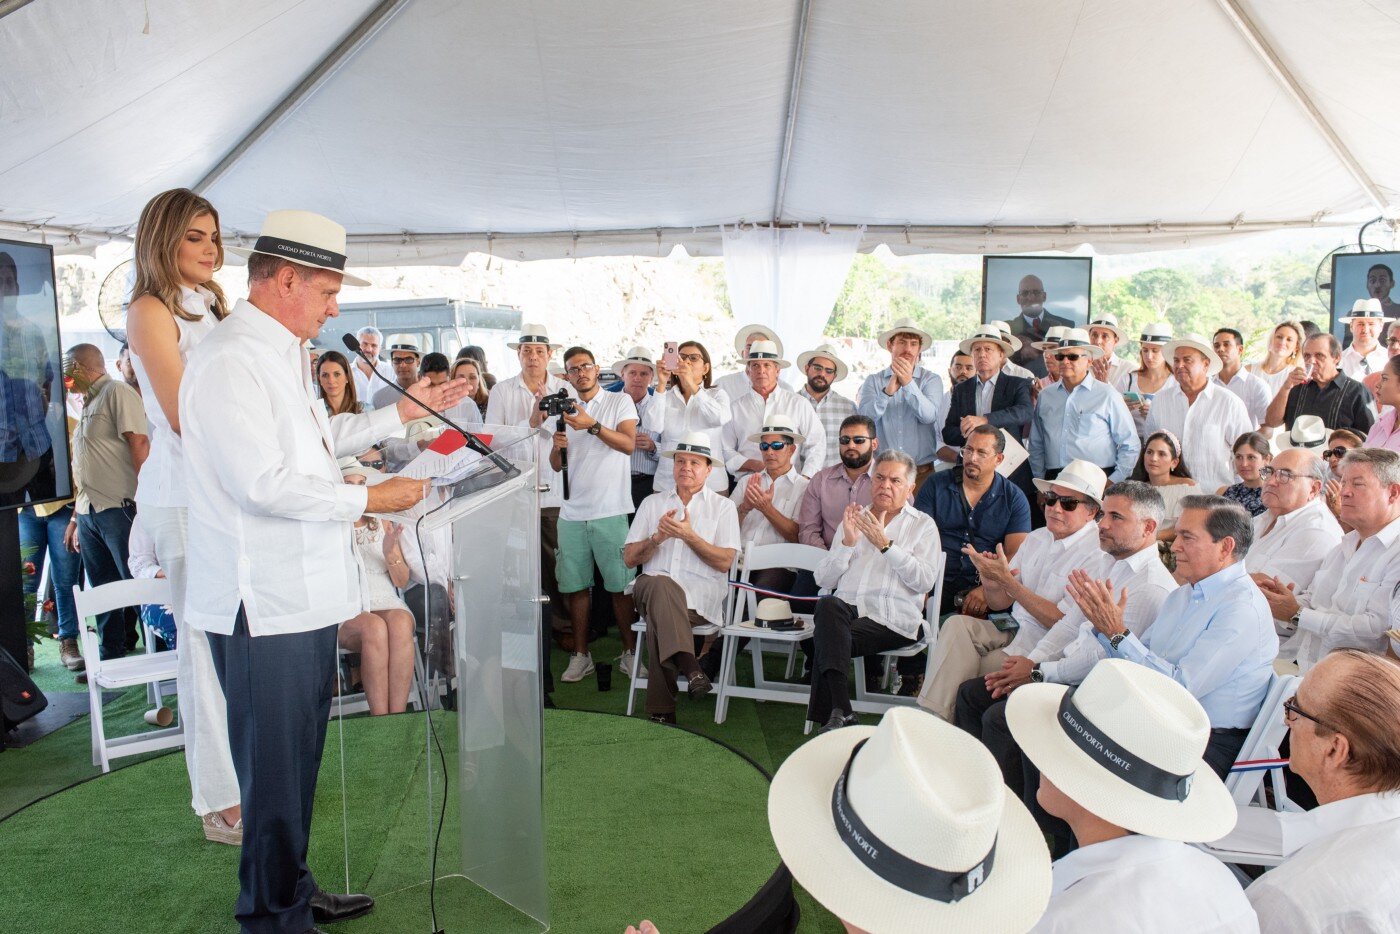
788 278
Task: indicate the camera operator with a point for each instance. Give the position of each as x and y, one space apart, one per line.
594 454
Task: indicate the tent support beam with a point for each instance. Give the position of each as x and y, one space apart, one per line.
352 43
1271 60
799 60
10 6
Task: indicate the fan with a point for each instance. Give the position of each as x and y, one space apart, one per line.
113 298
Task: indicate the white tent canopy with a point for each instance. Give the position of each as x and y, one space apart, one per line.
555 128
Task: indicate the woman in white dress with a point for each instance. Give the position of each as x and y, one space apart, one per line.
1283 354
383 634
1160 465
690 404
175 305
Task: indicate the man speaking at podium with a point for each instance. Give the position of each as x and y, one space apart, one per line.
271 572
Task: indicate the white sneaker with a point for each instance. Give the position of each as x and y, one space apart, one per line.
579 667
625 661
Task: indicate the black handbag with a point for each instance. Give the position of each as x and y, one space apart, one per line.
20 697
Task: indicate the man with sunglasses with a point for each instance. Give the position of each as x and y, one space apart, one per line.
1023 591
1342 858
824 369
1081 418
404 357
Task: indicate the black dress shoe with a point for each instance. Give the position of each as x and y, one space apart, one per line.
698 685
327 908
838 719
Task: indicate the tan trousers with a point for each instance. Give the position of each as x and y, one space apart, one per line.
661 601
967 647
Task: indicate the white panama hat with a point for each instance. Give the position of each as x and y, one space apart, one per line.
1195 342
1078 339
905 326
1158 334
1127 745
636 354
1080 476
1108 323
749 330
1366 309
1309 433
907 827
829 352
1053 336
766 350
1004 327
697 443
304 238
776 424
772 610
986 334
533 333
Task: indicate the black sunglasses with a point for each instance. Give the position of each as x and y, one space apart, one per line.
1070 356
854 439
773 445
1291 707
1338 451
1067 503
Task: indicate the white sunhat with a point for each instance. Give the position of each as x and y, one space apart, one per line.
777 425
986 334
1195 342
1005 328
304 238
1366 309
637 354
1078 339
772 610
1080 476
905 326
533 333
697 443
749 330
1158 334
766 350
1108 323
1053 336
1126 745
907 826
829 352
406 346
1309 432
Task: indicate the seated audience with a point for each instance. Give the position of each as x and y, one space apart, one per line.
1285 351
1364 355
1029 585
1340 859
1152 374
1081 418
879 571
838 485
688 403
1385 433
684 541
974 505
1338 444
1161 467
430 594
1120 762
1205 416
905 400
141 561
1252 452
991 397
749 412
1348 605
1320 388
824 368
1250 389
383 634
1213 634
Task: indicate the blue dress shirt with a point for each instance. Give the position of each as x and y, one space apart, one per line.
1001 511
909 420
1216 639
1090 423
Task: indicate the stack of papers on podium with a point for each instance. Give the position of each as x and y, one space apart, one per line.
445 460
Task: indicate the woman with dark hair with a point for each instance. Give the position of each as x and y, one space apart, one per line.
1252 452
690 403
1160 465
336 384
1385 433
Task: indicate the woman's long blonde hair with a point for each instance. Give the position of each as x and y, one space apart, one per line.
1298 332
163 223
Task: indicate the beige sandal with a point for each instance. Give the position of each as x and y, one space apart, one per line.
217 830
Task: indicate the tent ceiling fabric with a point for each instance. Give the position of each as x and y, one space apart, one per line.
627 126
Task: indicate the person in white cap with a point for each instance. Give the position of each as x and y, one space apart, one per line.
1251 390
1341 859
1205 415
271 572
1081 417
684 542
736 384
904 828
1025 591
1349 603
1364 354
824 368
404 357
1033 324
1120 760
1320 388
638 372
750 411
1105 334
905 399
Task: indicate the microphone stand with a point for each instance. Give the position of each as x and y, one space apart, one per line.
473 442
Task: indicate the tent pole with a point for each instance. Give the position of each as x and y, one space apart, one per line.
1290 84
799 59
352 43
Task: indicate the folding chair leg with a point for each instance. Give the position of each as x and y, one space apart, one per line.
729 653
791 661
632 681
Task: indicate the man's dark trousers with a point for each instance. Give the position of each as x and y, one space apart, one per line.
103 535
278 689
840 634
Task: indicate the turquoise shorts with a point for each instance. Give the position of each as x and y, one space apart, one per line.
583 543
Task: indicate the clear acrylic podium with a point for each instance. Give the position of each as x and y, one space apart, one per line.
497 781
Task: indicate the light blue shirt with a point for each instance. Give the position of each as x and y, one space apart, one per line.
909 420
1089 423
1216 639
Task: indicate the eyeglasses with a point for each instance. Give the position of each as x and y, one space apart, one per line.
1069 356
399 361
977 453
691 358
1338 451
828 370
1284 475
581 368
1067 503
773 445
854 439
1291 712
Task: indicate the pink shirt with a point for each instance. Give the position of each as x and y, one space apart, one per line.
1385 433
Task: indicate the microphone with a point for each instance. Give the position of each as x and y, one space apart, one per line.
352 344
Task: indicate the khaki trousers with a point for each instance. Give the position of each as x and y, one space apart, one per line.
967 647
661 601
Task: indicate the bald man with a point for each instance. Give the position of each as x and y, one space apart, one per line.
1032 323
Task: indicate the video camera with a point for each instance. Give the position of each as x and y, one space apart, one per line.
558 404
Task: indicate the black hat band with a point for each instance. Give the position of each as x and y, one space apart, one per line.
300 252
1111 755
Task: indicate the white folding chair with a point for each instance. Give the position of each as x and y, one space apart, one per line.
636 676
118 673
744 610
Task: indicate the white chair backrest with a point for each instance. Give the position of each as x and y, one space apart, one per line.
118 594
761 558
1263 739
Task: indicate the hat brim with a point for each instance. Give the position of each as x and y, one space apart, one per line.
966 346
782 364
1350 318
516 345
799 818
348 278
1045 345
671 455
1283 441
842 371
797 438
922 334
1045 485
1117 331
1213 362
1208 813
617 367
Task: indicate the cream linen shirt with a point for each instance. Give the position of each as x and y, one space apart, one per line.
754 528
1045 563
272 523
888 588
1207 429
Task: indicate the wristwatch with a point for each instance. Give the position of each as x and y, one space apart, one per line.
1037 676
889 543
1117 638
595 429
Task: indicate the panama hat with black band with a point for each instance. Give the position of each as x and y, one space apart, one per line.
907 827
777 425
1079 476
1108 323
827 351
697 443
1198 343
1156 335
304 238
1053 335
986 334
905 326
1366 309
1004 327
766 350
637 355
533 333
1309 433
1077 340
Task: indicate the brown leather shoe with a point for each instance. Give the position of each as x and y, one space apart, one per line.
699 685
70 656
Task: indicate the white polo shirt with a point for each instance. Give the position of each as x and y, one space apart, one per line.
600 477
